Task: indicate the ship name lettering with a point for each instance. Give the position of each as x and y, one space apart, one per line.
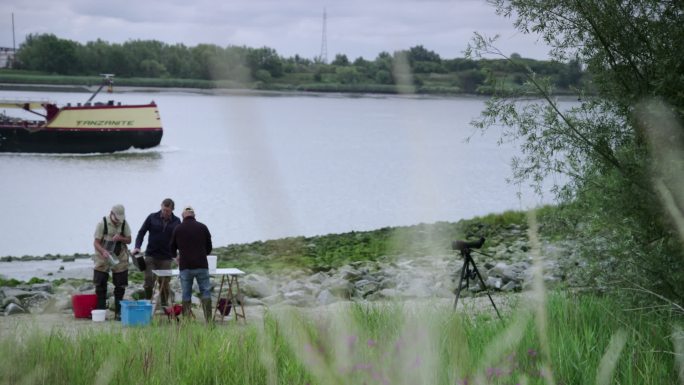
117 123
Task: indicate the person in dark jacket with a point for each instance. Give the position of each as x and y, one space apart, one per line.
158 256
191 241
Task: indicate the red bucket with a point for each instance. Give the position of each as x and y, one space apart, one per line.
83 304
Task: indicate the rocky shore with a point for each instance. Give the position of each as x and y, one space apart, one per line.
506 268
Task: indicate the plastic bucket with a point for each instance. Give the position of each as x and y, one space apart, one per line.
211 259
99 315
83 304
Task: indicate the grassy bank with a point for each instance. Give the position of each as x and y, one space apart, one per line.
12 80
569 340
325 252
321 253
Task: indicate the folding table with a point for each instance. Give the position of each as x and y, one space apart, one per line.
229 289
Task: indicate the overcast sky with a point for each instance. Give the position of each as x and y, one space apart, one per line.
354 27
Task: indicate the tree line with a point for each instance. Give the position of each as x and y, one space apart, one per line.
241 65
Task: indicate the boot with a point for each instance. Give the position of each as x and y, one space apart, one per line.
148 293
187 309
208 313
118 296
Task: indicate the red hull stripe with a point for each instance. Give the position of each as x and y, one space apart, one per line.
107 107
102 129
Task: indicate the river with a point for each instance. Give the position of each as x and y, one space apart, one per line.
266 166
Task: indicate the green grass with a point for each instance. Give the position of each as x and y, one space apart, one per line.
325 252
365 344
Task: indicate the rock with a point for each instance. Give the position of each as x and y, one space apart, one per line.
10 300
318 278
295 285
17 293
13 308
339 287
494 282
364 287
298 298
511 286
37 302
325 297
86 287
272 300
253 285
350 274
46 287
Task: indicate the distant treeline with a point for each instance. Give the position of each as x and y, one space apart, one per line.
418 69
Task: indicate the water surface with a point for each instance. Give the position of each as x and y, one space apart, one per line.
263 167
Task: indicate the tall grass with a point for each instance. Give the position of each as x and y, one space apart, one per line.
590 341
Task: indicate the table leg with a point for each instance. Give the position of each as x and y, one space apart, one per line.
231 297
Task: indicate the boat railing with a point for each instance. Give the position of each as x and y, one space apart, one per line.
22 101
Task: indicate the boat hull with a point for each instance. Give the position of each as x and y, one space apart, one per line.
15 139
99 128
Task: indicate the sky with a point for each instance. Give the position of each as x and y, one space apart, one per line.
355 28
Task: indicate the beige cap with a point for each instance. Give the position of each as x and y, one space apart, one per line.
119 212
188 211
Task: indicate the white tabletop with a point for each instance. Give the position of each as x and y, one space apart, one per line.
223 271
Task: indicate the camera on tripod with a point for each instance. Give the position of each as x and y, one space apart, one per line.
469 269
463 245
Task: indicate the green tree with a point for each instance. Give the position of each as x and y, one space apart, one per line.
340 60
420 54
471 79
617 178
348 75
265 59
49 53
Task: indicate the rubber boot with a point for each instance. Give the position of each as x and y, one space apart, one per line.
148 293
206 306
187 309
118 296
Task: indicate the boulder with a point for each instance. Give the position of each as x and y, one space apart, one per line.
325 297
494 282
46 287
253 285
17 293
13 308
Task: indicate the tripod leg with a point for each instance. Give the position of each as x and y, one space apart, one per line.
483 285
460 282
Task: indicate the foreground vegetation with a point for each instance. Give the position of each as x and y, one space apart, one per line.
569 340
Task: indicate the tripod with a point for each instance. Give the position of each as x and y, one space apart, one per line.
469 270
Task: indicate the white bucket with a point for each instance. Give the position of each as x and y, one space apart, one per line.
211 259
98 315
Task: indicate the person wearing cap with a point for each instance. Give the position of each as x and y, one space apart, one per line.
191 242
160 226
112 234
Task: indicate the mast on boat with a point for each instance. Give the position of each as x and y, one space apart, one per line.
107 80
